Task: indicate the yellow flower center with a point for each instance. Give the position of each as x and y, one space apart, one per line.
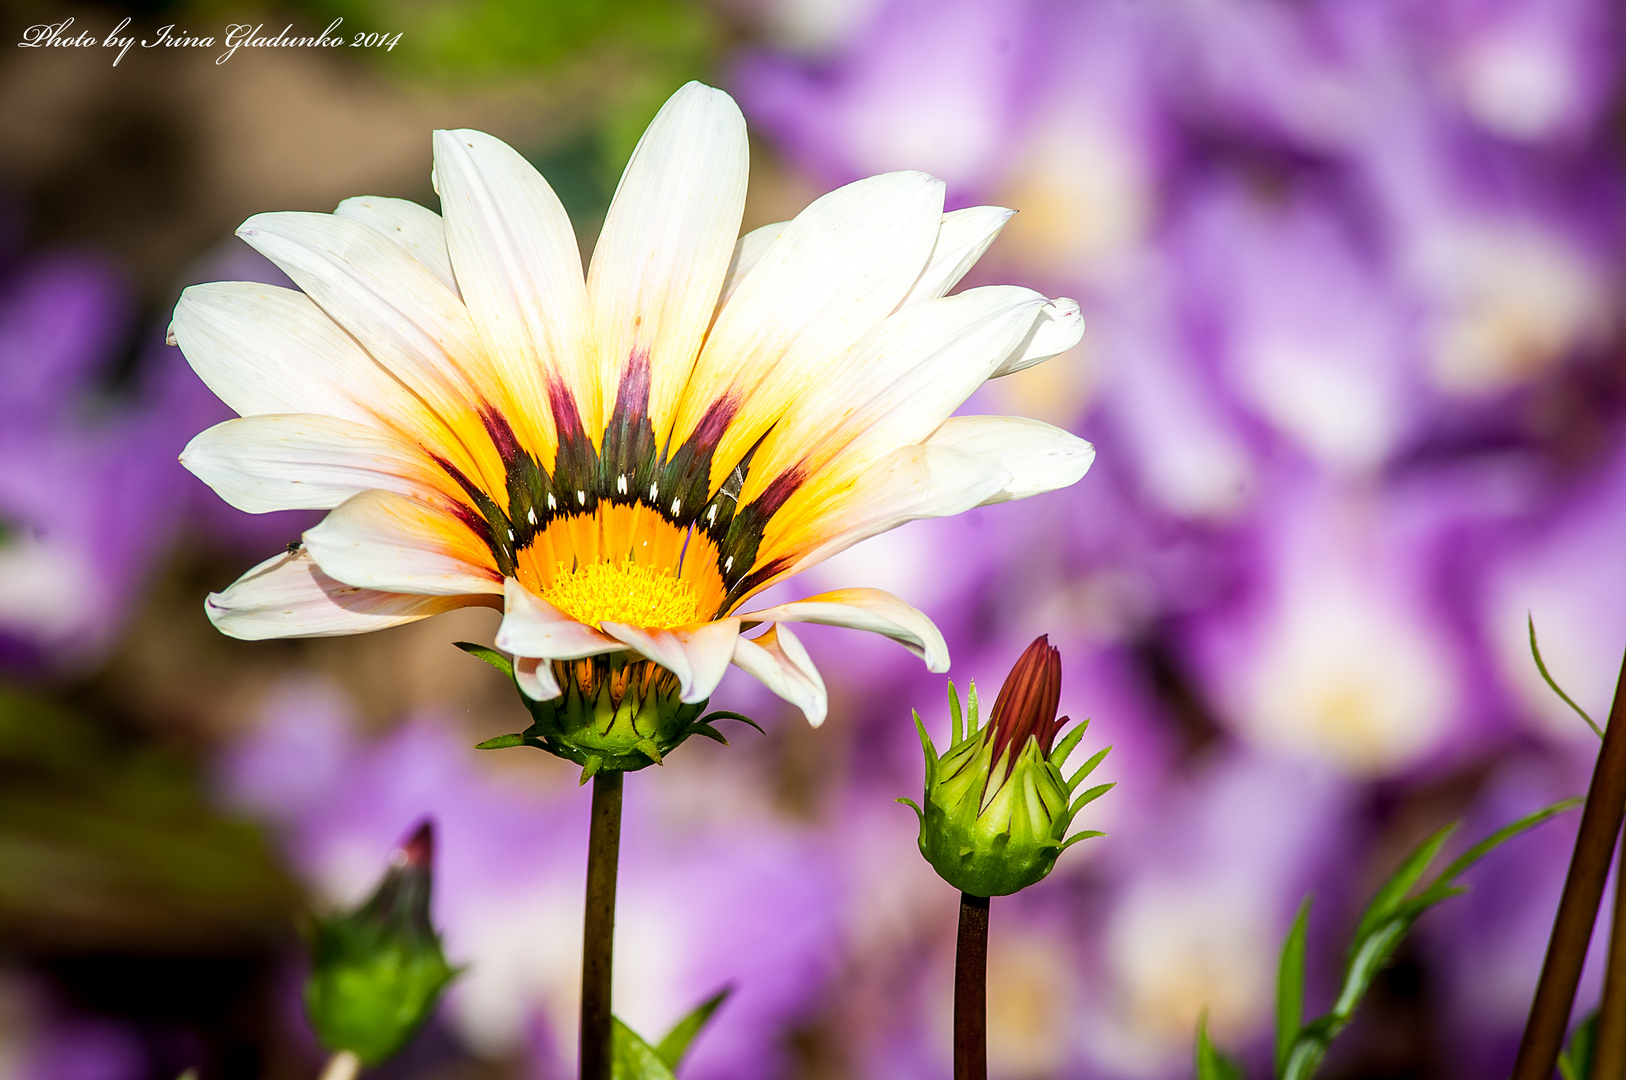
627 592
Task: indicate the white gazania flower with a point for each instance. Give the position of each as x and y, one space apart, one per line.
619 463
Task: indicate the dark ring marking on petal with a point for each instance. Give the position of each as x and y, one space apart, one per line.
575 464
526 481
489 523
738 551
628 464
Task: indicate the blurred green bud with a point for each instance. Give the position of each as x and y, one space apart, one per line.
614 712
997 808
377 972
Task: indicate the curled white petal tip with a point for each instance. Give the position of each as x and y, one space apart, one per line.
874 610
534 676
533 628
698 655
1059 327
777 659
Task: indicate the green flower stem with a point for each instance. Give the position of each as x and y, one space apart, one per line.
971 990
341 1066
1578 907
598 925
1609 1043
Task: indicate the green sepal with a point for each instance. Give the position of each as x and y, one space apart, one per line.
648 748
911 804
1090 796
706 731
724 714
1211 1063
676 1043
1088 767
1058 756
1087 834
501 742
957 725
1575 1061
489 655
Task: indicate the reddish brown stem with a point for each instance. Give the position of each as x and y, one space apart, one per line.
1578 907
971 990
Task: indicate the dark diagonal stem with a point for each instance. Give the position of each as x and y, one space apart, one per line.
598 925
1578 907
1609 1047
971 990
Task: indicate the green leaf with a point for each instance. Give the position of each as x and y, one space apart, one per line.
1211 1063
676 1043
1383 926
1553 683
1393 891
490 656
1575 1063
1058 756
501 742
1290 988
633 1059
1484 847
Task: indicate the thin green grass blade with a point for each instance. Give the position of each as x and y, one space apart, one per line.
1553 683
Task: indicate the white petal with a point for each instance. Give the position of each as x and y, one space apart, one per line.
289 596
264 349
748 251
302 462
399 311
1058 329
534 677
666 244
514 252
783 666
416 228
698 655
897 385
961 241
874 610
1040 457
532 627
837 270
911 483
380 540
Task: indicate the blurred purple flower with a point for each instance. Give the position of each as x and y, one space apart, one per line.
88 495
748 901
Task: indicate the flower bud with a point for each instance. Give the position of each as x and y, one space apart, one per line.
997 807
377 972
614 712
